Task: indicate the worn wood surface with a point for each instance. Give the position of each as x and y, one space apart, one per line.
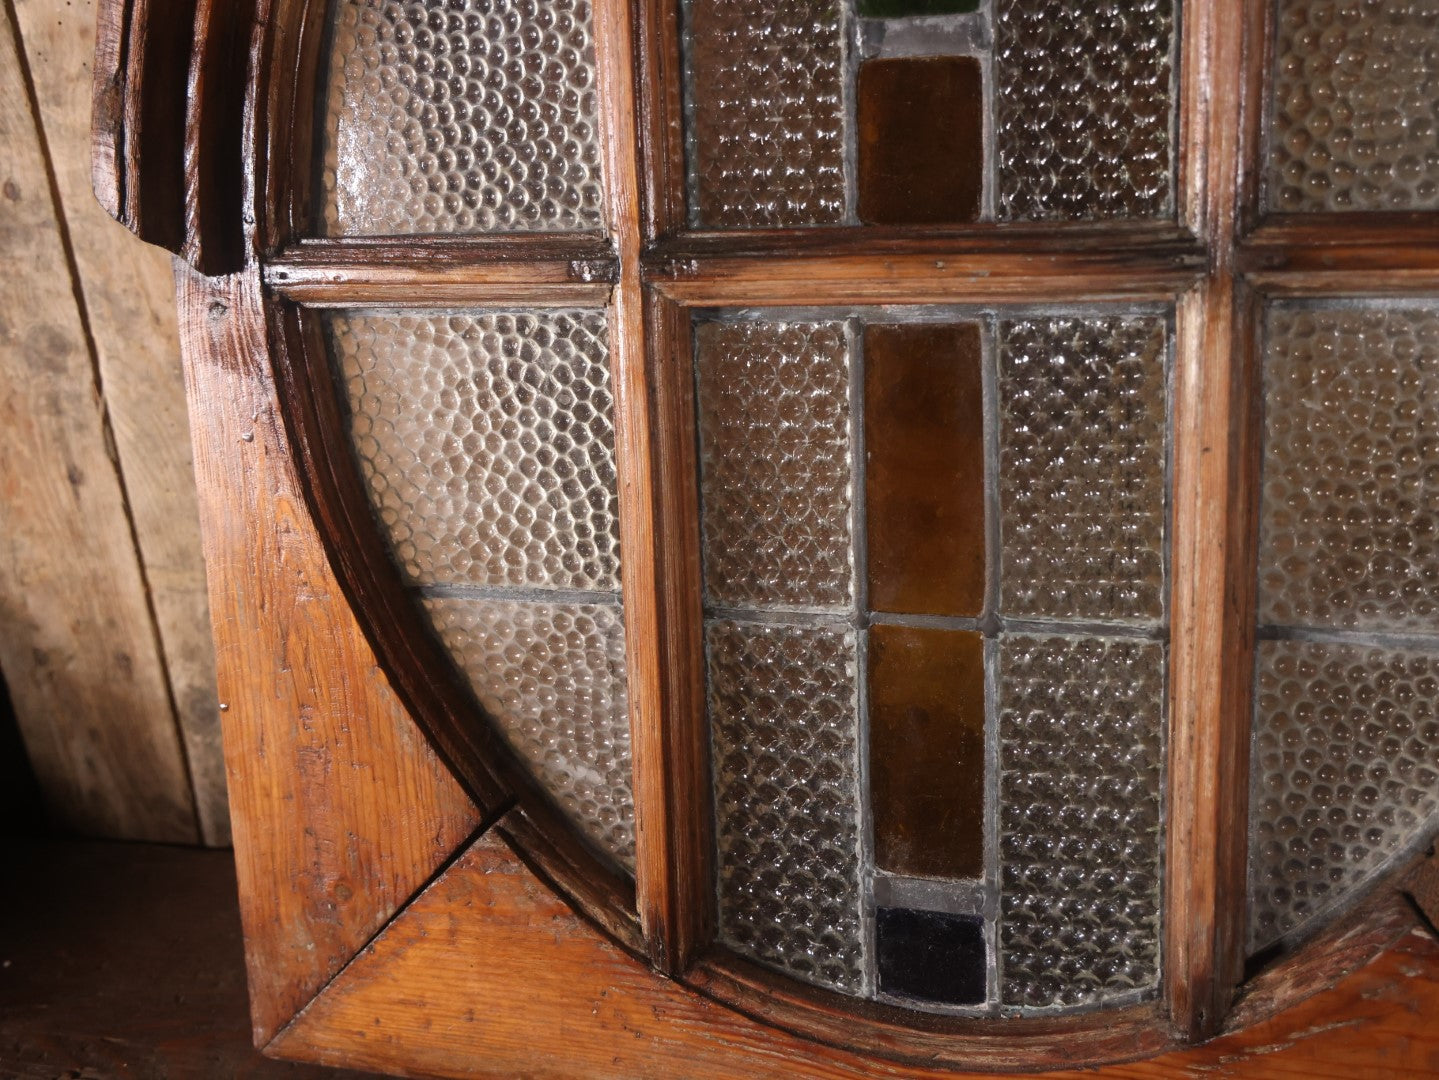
124 961
78 644
1213 557
416 1003
341 810
126 289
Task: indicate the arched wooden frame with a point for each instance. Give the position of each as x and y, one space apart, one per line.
229 189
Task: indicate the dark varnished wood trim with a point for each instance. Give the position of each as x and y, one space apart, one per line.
659 81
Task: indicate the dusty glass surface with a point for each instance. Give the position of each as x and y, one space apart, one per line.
1082 466
1349 533
1084 102
1081 743
776 463
552 676
930 956
1345 774
765 89
784 725
470 116
486 441
1355 116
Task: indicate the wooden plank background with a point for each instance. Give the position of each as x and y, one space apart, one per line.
104 629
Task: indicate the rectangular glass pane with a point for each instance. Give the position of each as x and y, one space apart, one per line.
1349 533
776 463
921 140
552 677
766 90
930 956
1355 114
1345 774
926 751
924 471
784 724
486 442
1081 751
891 9
1082 466
1083 105
473 116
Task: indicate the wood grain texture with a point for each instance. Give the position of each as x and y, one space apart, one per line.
127 290
77 641
1215 480
341 810
553 1000
660 569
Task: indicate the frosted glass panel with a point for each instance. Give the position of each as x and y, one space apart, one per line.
1083 101
766 112
1081 746
1082 466
470 116
552 676
785 729
1350 517
776 468
487 443
1356 106
1345 774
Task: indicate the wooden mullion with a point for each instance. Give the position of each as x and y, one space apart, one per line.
1212 612
659 625
660 80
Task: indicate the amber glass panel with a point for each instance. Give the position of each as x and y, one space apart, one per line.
926 717
921 140
924 435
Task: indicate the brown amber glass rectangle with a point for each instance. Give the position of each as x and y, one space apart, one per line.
921 140
926 718
924 486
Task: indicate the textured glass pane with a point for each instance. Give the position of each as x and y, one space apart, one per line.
776 463
921 140
784 725
924 468
926 751
461 117
1356 106
1350 513
766 112
930 956
552 676
486 442
1345 774
1083 105
1081 742
1082 463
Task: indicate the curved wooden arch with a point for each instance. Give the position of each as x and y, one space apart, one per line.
243 210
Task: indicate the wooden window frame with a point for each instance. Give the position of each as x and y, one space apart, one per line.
367 801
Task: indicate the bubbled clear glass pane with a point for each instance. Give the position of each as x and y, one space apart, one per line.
1082 466
1350 509
776 463
470 116
1345 775
486 442
1081 748
552 677
1084 105
765 101
1355 115
784 724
